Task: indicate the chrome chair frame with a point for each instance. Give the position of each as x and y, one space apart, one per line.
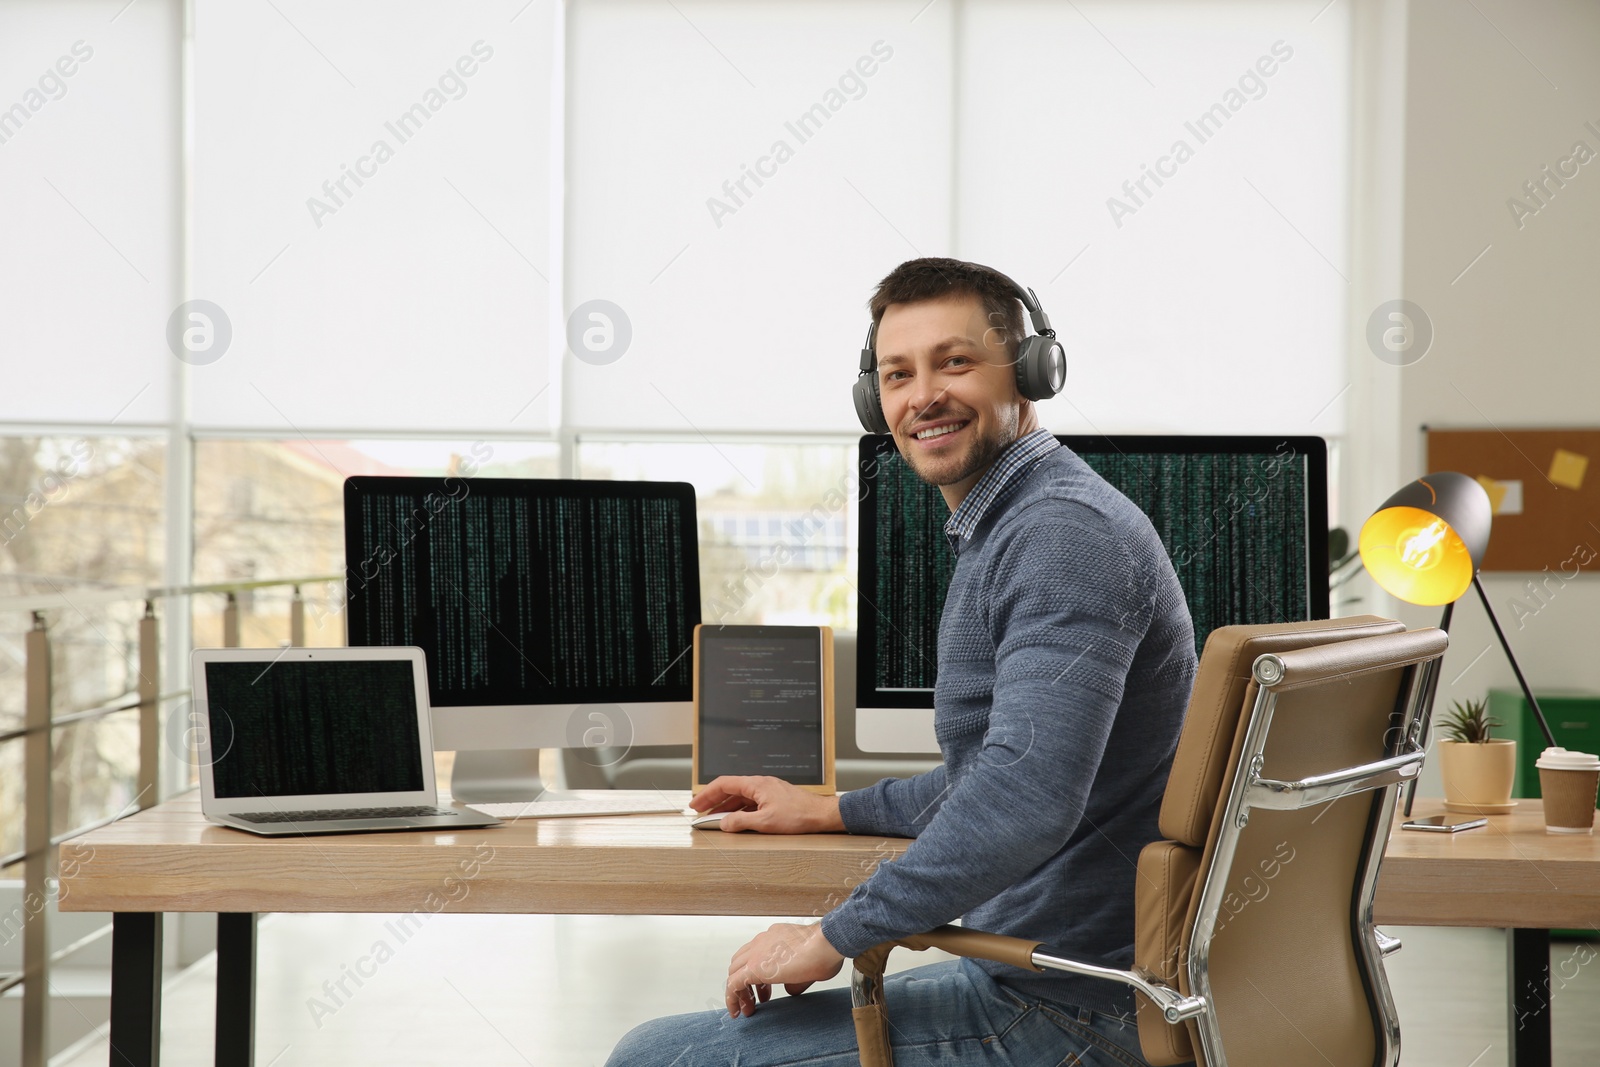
1250 790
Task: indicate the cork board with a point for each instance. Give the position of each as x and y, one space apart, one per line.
1545 485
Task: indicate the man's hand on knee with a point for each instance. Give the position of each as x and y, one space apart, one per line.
769 805
792 954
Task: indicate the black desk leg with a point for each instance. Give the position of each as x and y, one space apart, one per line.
236 989
1528 954
136 989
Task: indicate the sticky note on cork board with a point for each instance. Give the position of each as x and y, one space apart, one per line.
1568 468
1505 497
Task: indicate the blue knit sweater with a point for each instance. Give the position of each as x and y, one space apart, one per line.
1066 656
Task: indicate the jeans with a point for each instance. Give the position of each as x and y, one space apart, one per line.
945 1013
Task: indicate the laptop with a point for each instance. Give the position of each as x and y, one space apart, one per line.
295 741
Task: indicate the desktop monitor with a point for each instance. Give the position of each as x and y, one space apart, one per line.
553 613
1245 520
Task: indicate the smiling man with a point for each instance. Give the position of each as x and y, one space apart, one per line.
1066 656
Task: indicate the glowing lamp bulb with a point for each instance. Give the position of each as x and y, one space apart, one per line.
1420 546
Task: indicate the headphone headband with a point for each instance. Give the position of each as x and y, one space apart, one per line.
1030 304
1041 364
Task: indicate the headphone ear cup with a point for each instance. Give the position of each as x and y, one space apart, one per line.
869 406
1041 367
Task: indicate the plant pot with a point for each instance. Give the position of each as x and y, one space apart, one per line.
1478 777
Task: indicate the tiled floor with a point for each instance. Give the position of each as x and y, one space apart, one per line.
495 990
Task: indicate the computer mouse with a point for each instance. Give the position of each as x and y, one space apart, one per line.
707 822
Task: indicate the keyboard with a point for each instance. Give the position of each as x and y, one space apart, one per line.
557 809
330 814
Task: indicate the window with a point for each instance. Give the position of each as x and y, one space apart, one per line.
803 574
432 298
743 267
1209 298
90 261
77 514
392 244
294 526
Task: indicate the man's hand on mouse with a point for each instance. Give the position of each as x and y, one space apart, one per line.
792 954
769 805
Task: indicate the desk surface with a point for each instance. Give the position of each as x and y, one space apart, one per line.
1510 873
170 859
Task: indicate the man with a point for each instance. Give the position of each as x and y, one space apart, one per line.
1066 657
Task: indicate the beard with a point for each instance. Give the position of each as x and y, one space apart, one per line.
979 455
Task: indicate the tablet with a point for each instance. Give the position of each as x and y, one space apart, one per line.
763 704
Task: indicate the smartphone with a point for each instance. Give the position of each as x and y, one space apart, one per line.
1436 824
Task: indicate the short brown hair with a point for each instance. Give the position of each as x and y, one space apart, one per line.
933 277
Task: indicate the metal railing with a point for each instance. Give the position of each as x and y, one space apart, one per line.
40 847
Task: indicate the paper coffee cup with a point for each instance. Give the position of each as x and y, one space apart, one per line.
1569 782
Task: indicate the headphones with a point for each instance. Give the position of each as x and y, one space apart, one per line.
1041 364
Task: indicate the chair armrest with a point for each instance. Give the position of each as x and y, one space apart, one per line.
866 980
974 944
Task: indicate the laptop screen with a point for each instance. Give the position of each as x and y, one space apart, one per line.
303 729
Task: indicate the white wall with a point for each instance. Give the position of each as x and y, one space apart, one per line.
1494 92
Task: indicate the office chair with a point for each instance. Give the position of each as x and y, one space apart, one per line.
1253 942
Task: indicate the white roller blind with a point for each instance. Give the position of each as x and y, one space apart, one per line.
739 178
89 177
1214 301
372 214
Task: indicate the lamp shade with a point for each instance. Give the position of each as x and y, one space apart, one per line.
1426 542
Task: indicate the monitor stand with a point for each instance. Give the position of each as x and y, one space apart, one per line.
490 776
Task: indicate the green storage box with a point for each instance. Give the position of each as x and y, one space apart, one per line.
1574 717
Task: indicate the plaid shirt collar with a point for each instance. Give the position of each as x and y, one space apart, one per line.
997 483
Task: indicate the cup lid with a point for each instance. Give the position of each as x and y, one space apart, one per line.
1561 759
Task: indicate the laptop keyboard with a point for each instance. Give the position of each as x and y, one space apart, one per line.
328 815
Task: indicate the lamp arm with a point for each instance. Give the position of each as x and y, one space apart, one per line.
1515 667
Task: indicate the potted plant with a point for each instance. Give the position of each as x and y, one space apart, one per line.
1477 769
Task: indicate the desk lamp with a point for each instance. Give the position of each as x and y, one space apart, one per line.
1424 545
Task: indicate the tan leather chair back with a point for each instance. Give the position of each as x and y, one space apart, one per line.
1255 944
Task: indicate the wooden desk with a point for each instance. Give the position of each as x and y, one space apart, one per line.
168 859
1510 874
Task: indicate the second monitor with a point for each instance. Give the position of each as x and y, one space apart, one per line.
554 613
1244 519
